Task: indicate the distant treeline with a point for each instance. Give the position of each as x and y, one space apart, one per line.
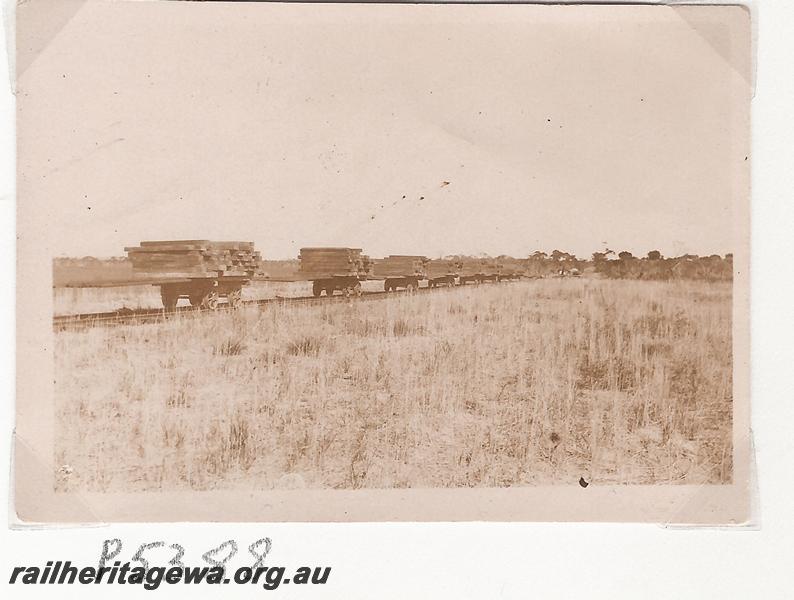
624 265
87 271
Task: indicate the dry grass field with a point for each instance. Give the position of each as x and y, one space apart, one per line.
534 382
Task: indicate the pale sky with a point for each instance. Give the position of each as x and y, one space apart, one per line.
318 125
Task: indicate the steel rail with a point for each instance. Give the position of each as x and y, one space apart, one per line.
154 315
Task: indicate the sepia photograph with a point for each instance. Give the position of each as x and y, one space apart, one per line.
348 262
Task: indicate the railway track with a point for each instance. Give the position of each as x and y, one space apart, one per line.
155 315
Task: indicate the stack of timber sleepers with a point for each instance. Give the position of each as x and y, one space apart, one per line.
194 259
400 265
319 263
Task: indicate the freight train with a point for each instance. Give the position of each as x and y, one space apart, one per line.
206 272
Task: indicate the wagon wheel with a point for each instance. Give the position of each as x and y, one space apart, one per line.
235 298
210 300
317 289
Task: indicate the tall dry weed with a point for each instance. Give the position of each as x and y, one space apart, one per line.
493 385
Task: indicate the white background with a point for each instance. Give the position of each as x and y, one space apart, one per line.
507 560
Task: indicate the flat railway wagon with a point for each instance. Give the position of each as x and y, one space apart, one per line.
442 272
202 271
335 269
478 271
508 275
400 271
470 271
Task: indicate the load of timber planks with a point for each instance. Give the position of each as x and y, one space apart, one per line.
319 263
194 259
400 265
